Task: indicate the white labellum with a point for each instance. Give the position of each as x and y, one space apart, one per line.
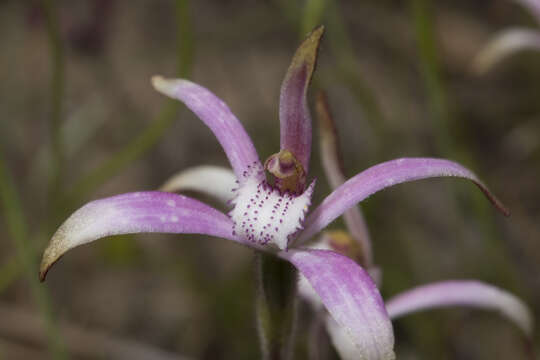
262 214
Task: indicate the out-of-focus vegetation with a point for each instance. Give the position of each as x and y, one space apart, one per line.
79 120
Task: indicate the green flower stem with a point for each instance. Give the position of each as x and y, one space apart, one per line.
276 306
17 230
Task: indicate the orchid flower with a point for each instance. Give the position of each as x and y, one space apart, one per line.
270 208
509 41
355 243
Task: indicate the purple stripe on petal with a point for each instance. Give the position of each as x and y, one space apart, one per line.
381 176
294 117
462 293
218 117
139 212
351 298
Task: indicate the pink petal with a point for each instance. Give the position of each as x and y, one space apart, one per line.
351 298
381 176
218 117
462 293
150 212
294 116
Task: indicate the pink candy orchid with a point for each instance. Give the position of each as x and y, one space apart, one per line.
270 207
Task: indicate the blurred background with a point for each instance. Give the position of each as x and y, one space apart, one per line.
79 120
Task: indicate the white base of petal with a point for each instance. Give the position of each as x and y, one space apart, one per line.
265 216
